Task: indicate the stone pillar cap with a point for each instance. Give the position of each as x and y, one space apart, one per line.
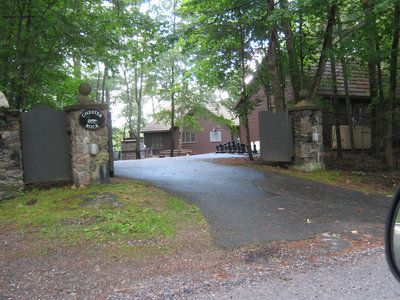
305 103
84 90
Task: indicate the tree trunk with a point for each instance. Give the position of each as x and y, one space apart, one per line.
373 91
138 98
301 51
380 107
336 109
172 110
295 75
324 57
98 83
77 67
272 63
370 23
172 132
244 92
130 104
392 91
180 135
103 90
108 96
20 78
346 76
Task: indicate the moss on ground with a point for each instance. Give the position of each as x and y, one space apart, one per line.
125 213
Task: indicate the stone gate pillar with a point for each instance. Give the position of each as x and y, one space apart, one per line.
11 172
307 135
87 125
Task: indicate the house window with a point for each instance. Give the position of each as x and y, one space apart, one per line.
157 142
189 137
215 136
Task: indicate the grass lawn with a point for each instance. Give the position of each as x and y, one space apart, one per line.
134 217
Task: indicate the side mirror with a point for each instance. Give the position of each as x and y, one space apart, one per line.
392 235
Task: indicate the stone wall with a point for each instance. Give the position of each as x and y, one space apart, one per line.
307 138
128 149
11 172
89 148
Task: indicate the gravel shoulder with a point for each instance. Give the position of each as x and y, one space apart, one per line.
198 270
362 275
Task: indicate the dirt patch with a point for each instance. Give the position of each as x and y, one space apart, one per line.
172 268
98 199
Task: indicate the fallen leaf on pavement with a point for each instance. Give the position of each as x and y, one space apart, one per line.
222 277
285 278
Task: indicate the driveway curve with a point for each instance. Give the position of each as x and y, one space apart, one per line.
247 207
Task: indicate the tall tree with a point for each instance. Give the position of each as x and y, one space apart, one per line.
336 109
393 85
370 25
295 74
279 100
245 95
139 57
172 130
40 38
221 38
346 78
324 52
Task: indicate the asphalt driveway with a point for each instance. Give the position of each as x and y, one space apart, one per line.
246 207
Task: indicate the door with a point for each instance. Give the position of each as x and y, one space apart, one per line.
45 145
276 136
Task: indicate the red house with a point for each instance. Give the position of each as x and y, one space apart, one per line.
157 136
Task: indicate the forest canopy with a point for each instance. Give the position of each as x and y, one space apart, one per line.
162 51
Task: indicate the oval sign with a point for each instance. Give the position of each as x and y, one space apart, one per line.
91 119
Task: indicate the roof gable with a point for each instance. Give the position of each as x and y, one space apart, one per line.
156 126
358 82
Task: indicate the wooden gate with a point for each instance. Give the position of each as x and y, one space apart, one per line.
276 136
45 145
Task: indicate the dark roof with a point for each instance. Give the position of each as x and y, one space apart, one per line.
358 81
155 126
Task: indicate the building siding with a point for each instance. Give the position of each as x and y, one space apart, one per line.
253 120
202 144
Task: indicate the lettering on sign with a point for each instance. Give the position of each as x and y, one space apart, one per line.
91 119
